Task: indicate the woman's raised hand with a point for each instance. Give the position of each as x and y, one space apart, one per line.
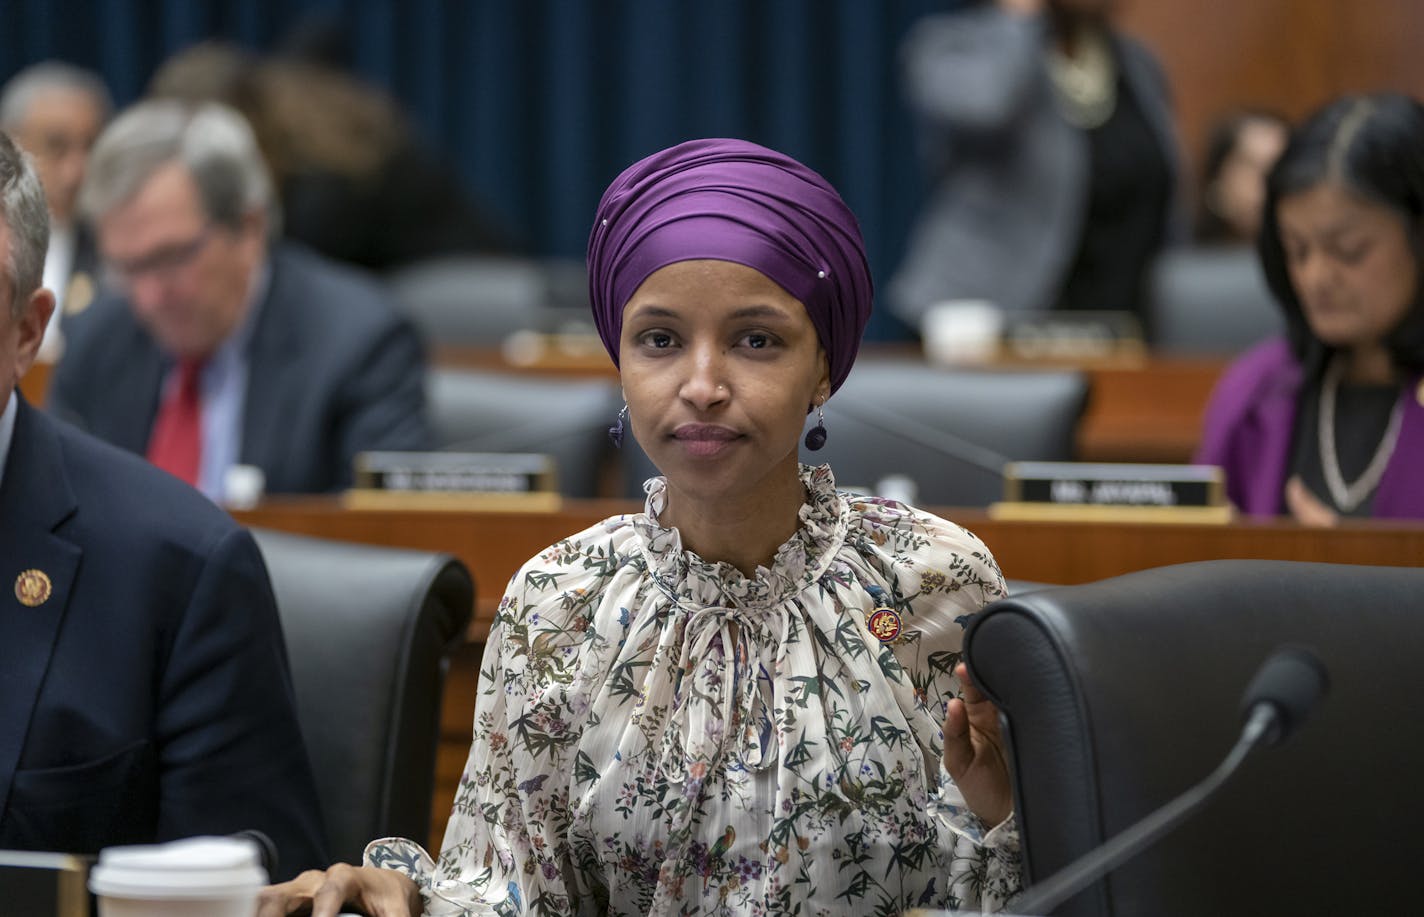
974 753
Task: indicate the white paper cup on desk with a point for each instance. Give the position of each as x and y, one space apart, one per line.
197 877
959 331
243 486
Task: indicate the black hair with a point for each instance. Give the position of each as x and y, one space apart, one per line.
1221 142
1373 146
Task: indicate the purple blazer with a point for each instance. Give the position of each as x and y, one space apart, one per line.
1248 428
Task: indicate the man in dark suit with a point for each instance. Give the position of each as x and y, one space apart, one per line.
215 350
144 688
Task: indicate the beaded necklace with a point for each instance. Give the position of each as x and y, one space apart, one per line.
1085 84
1349 496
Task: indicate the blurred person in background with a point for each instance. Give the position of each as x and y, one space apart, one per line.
55 111
146 690
355 182
1052 159
212 347
1241 148
1210 296
1328 422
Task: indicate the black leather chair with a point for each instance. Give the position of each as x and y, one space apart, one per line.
568 419
1210 302
482 299
948 431
368 631
1120 694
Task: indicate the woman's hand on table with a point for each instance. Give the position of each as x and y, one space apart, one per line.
1306 508
375 892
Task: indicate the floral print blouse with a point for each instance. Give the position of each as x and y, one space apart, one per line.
656 734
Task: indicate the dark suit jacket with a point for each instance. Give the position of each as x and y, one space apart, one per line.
148 697
333 370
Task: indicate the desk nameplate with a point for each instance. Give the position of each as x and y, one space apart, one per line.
1103 492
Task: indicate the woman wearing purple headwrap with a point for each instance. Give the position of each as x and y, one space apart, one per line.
737 701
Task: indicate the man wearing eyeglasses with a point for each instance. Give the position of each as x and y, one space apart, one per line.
212 348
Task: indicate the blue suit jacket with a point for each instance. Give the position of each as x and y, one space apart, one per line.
333 370
148 697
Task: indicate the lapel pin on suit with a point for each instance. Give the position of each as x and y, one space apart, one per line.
32 588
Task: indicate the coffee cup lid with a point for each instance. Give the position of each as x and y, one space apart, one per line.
198 867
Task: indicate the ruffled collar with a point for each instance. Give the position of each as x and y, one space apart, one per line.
694 583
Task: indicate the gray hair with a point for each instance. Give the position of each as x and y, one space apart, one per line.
26 215
213 142
20 91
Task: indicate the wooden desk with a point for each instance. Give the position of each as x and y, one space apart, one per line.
494 544
1150 412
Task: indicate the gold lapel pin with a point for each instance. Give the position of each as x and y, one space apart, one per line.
884 624
1419 392
32 588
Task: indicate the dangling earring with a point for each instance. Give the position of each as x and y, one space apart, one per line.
816 436
615 432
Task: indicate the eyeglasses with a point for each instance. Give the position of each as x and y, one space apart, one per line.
163 263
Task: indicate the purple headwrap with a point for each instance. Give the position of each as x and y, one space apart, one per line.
731 200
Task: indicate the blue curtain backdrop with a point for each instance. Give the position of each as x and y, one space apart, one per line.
539 103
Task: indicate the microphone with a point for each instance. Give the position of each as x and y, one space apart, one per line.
1289 685
1292 681
941 441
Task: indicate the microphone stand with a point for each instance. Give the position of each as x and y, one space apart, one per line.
940 441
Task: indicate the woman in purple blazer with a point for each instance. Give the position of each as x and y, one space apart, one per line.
1328 422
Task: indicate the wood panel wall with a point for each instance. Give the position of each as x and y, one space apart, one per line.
1289 55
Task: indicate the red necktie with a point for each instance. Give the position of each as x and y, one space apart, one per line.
176 443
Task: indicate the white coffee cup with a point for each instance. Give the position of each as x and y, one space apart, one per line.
243 486
959 331
899 487
197 877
